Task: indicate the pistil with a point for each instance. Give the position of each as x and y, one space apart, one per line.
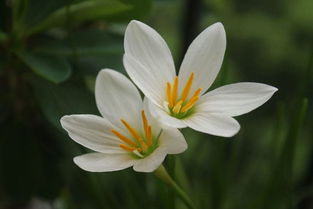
177 107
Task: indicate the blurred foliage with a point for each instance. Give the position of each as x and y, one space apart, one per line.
50 53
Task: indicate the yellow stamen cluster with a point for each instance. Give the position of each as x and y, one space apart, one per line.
181 105
138 143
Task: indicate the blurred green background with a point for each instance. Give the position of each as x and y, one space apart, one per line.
51 51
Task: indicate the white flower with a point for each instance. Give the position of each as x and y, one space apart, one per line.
181 101
126 135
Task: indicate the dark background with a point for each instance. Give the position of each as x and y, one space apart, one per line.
51 51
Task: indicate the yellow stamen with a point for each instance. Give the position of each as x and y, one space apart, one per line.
123 138
145 122
169 95
197 92
190 104
192 101
187 87
149 136
174 91
131 130
134 133
127 148
177 107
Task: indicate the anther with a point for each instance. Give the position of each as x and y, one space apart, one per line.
123 138
192 101
149 136
134 133
127 148
145 122
190 104
169 94
131 130
187 87
174 91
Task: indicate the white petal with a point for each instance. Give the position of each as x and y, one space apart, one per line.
99 162
151 86
154 89
92 132
204 57
214 124
173 140
151 162
117 98
236 99
148 60
163 116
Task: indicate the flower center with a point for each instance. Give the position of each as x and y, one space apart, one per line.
141 144
182 107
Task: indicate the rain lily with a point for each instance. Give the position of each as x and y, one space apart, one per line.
127 135
181 101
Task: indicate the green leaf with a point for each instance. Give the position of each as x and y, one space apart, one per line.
28 13
3 36
88 42
80 12
18 10
91 50
38 10
140 8
280 187
2 63
53 68
56 101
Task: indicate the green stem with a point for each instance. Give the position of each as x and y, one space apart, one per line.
162 174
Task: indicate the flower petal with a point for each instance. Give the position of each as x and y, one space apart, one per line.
117 98
99 162
204 57
163 116
151 162
148 60
214 124
236 99
151 87
173 140
92 132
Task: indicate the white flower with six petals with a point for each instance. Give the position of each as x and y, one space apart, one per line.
181 101
127 135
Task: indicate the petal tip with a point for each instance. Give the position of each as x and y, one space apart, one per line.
219 27
184 147
219 24
231 134
106 71
64 119
274 89
82 164
134 23
271 89
234 133
77 162
142 170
